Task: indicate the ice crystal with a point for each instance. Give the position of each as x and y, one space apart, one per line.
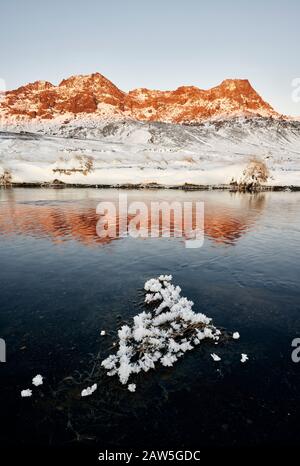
89 390
244 357
37 380
215 357
132 387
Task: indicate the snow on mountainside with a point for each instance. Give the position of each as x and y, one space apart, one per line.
116 151
87 131
95 94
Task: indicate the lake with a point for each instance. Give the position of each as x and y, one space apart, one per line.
60 285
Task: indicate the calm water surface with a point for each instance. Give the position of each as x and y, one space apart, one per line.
60 285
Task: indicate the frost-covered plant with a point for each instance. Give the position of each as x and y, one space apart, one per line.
256 172
162 335
77 164
5 178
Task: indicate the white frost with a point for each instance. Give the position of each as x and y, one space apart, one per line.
132 387
37 380
215 357
244 357
26 393
161 335
236 335
89 390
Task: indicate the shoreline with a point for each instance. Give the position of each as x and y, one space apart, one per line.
153 186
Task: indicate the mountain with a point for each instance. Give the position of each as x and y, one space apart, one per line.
87 131
189 104
75 95
95 95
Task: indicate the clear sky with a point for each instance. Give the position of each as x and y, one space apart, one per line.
160 44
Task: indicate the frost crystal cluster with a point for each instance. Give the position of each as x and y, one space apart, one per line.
37 380
89 390
162 335
26 393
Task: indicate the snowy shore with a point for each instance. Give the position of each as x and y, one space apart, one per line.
126 152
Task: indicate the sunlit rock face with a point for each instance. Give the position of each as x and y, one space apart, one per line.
96 95
76 95
189 104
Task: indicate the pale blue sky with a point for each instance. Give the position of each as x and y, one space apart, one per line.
158 44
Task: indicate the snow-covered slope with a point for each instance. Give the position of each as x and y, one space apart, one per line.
117 151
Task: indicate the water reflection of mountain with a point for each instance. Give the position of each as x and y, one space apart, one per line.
228 216
228 224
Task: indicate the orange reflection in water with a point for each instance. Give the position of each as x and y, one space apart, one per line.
227 218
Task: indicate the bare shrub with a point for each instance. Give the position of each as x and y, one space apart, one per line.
256 172
85 166
6 178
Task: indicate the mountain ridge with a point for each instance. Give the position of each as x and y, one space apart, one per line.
94 94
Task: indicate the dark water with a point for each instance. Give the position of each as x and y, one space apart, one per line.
60 285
